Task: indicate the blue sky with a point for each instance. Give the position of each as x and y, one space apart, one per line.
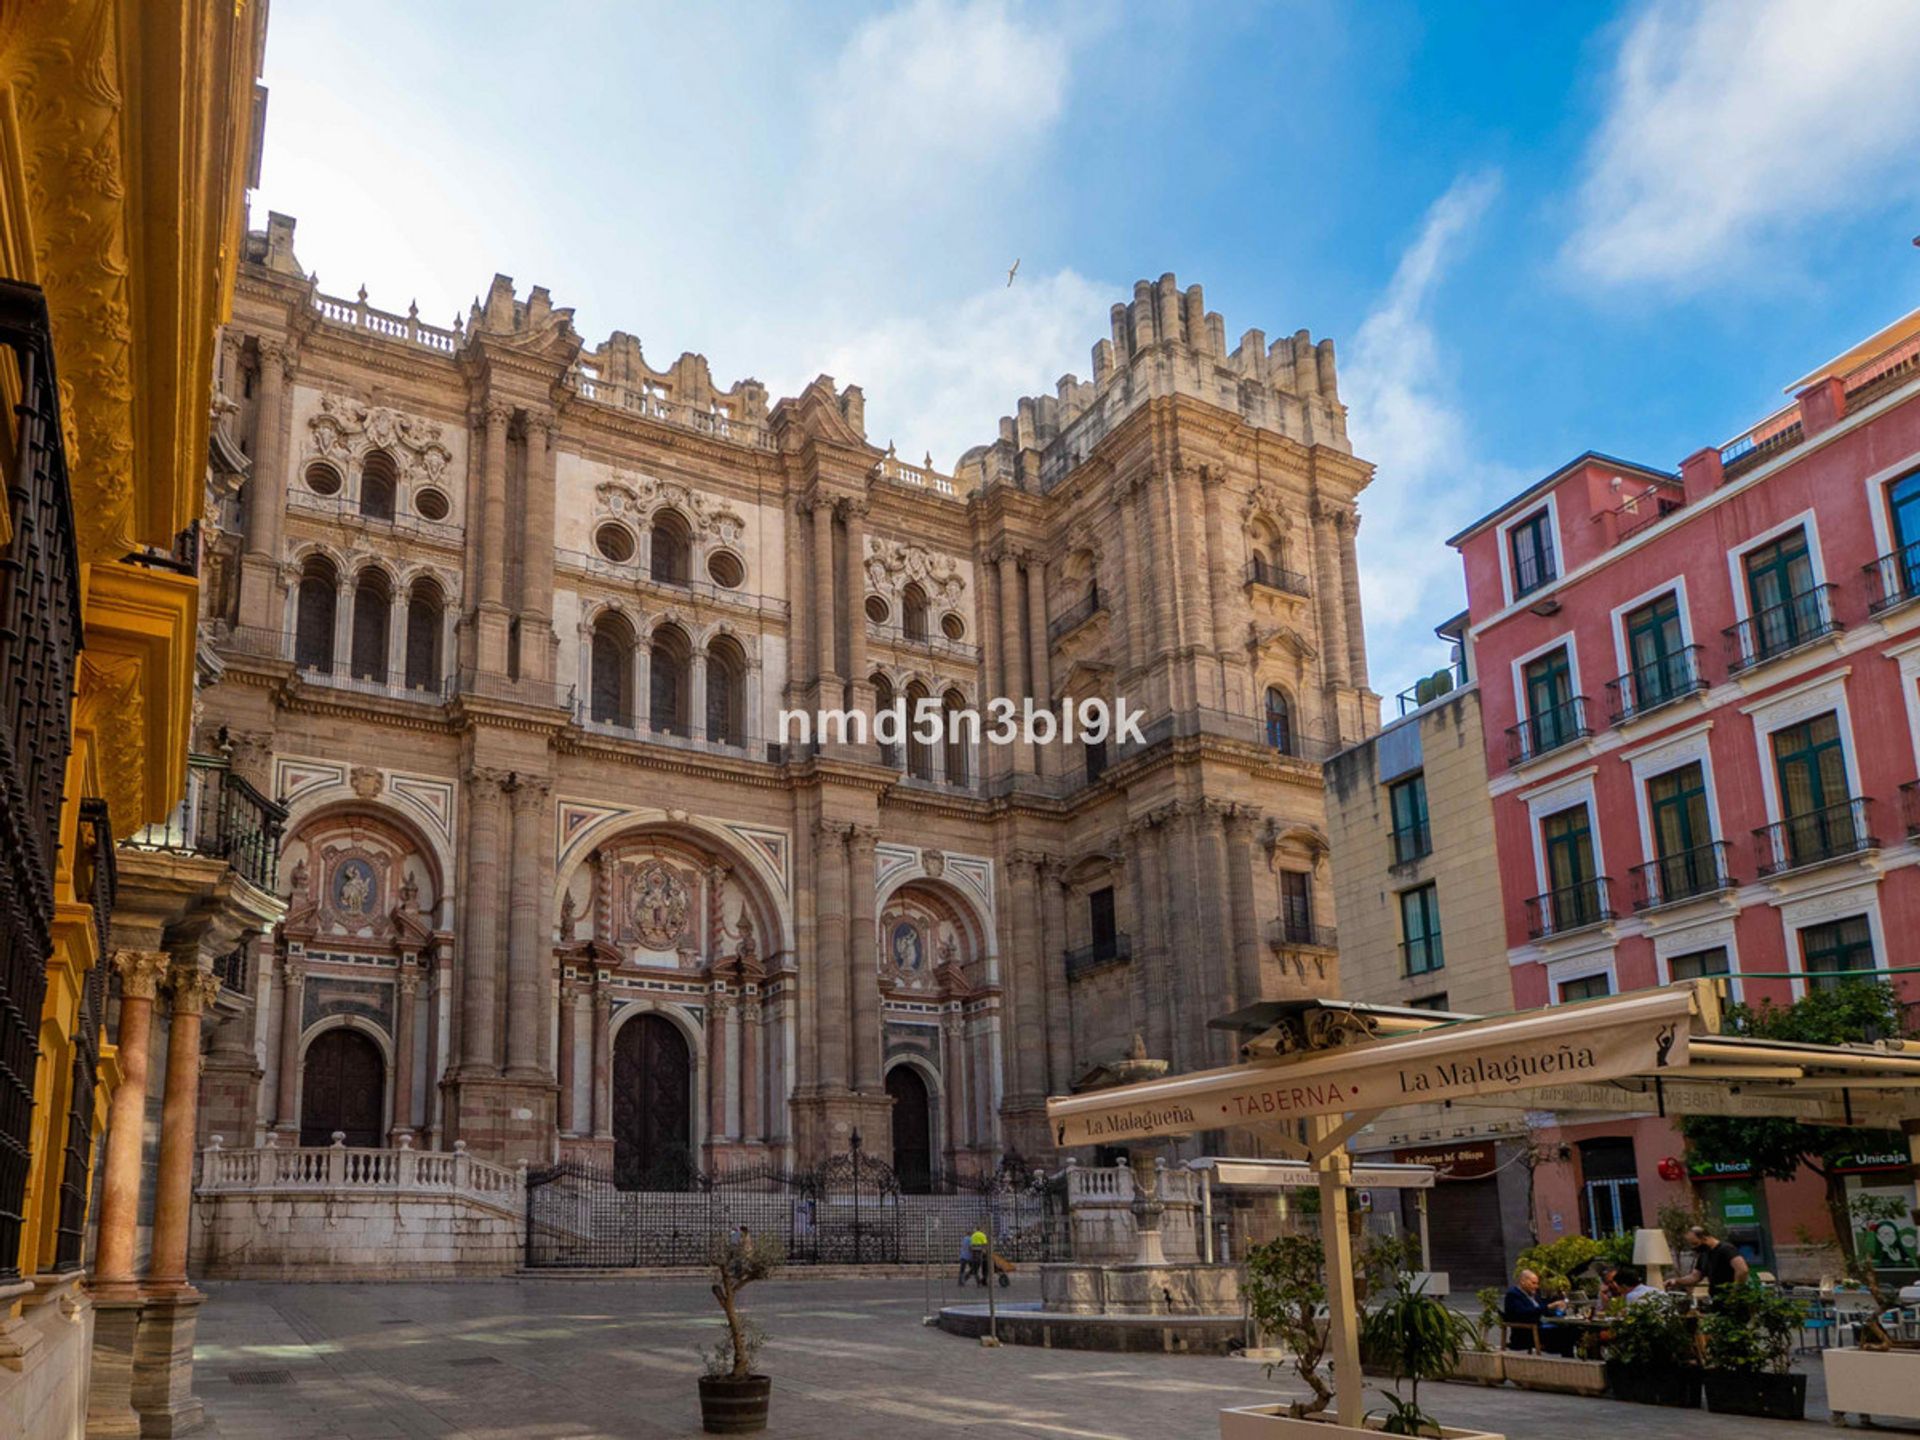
1530 230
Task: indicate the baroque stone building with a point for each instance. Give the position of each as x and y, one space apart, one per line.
507 624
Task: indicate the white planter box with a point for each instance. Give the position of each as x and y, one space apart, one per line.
1872 1382
1559 1374
1271 1422
1481 1367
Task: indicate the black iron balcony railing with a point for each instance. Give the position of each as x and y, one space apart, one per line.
1300 933
1893 579
1569 908
1646 688
223 818
1431 687
1548 730
235 968
1112 950
1410 842
96 878
1682 875
1261 571
1910 808
1781 628
1816 836
1423 956
1076 614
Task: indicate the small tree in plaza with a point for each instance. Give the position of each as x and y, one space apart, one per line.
1285 1288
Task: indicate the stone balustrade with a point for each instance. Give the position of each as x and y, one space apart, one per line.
1100 1200
342 1167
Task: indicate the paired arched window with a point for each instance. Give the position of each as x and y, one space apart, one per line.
372 612
671 666
913 612
952 705
672 548
426 608
919 752
378 481
313 619
726 691
610 671
1279 720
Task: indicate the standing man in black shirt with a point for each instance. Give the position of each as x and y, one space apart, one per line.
1716 1261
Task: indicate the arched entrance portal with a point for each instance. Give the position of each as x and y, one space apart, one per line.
652 1106
912 1129
343 1087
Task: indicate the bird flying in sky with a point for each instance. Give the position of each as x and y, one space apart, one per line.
1014 269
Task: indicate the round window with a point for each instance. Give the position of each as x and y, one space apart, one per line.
952 626
432 504
877 610
726 570
323 479
615 542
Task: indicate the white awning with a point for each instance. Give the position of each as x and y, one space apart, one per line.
1237 1174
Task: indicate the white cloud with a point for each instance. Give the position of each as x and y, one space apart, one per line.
1403 420
1734 121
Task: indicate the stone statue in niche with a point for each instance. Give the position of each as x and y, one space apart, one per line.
908 951
409 892
749 948
657 904
568 918
353 889
297 881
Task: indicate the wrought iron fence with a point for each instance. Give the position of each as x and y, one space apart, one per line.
849 1210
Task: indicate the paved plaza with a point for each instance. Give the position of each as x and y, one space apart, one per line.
850 1360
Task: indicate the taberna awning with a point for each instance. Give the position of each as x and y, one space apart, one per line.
1639 1034
1234 1173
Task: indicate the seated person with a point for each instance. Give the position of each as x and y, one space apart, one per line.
1523 1306
1632 1285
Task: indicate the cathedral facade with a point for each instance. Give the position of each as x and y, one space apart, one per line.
508 625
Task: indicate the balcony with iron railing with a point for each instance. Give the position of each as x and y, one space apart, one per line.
1578 906
1893 580
1429 688
1195 721
1076 614
1411 842
1298 932
1781 629
674 733
1261 571
222 817
1649 507
1548 730
1647 688
1109 950
1683 875
1816 837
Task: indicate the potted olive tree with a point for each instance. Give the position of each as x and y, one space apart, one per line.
1749 1338
733 1399
1650 1354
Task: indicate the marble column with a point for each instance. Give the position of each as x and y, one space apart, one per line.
1240 897
824 623
602 1107
406 1001
192 989
527 966
569 1025
1350 588
480 955
293 993
1053 912
752 1125
140 972
266 493
830 945
863 970
854 512
1329 595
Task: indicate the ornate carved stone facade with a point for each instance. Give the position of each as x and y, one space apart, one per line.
519 618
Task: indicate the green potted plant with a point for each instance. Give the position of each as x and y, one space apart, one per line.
1416 1338
733 1399
1749 1336
1650 1357
1483 1362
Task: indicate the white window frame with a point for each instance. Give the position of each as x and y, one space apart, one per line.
1673 751
1878 510
1550 504
1861 897
1737 558
1720 934
1824 692
1564 794
1567 641
1618 618
1580 967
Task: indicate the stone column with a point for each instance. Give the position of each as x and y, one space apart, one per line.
1053 911
830 946
493 542
823 616
1211 895
718 1003
1042 661
1240 898
1156 493
140 972
480 956
752 1127
564 1065
1012 662
953 1071
536 558
1221 584
855 514
1029 1017
1134 593
266 495
293 994
192 989
697 698
863 971
602 1106
406 1000
1329 595
1152 1003
526 972
1349 524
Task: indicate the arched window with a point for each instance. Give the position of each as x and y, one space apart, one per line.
1279 720
672 548
726 691
913 612
883 701
377 486
670 665
952 705
425 609
610 666
313 620
1266 554
919 752
372 611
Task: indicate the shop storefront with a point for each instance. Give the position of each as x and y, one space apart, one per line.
1735 1200
1467 1236
1880 1195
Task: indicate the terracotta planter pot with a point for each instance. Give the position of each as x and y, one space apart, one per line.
1271 1422
734 1407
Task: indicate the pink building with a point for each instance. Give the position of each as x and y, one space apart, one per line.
1701 699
